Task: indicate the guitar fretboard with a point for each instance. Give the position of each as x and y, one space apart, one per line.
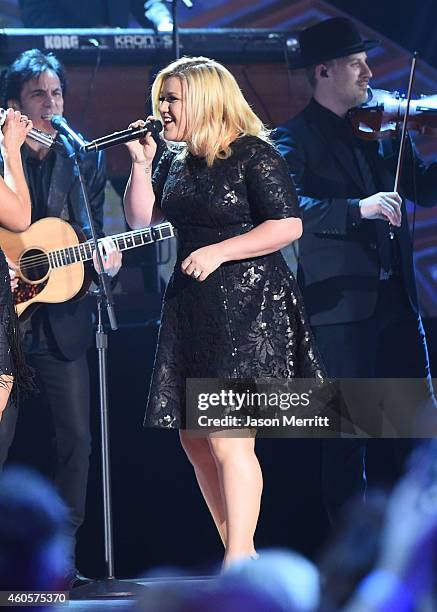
125 241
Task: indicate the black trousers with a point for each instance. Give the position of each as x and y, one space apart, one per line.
389 344
64 399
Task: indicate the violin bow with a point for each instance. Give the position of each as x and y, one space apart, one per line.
404 131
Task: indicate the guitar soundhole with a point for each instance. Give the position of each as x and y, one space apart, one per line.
34 265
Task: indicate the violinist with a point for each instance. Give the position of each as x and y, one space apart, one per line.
355 257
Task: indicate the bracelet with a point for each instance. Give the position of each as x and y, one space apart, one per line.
146 165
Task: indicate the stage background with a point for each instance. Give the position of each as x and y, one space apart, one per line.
159 517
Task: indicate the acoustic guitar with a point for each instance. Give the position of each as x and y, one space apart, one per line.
50 257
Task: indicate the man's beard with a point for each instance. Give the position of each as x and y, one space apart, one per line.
357 98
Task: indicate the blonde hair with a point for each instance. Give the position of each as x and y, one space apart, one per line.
216 111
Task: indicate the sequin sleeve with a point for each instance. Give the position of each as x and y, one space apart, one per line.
12 362
271 191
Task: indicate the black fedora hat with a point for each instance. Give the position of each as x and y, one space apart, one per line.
329 39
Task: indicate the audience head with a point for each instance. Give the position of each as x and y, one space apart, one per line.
33 547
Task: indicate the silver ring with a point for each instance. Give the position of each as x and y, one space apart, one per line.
196 273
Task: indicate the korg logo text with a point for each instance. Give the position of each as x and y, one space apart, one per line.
61 41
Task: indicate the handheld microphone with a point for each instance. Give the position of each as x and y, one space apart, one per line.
152 126
60 124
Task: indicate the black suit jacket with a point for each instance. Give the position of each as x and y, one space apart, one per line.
338 260
71 322
81 13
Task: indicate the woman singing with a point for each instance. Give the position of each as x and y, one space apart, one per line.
15 215
231 309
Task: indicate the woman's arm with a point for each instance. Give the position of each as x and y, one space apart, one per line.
274 208
15 204
139 199
268 237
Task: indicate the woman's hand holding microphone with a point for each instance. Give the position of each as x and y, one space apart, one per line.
142 151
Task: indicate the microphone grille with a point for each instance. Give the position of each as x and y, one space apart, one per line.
56 121
156 125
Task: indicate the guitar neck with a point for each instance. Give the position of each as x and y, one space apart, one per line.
128 240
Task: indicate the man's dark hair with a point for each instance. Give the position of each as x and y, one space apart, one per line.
29 65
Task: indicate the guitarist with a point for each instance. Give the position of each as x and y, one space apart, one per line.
57 336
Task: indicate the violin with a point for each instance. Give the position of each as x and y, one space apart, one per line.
382 115
392 115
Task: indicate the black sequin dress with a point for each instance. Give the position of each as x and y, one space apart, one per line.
11 357
247 319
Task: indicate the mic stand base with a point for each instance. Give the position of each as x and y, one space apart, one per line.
108 588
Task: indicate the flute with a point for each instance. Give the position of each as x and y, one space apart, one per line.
44 139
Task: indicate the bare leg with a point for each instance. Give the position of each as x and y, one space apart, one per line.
241 485
6 383
205 468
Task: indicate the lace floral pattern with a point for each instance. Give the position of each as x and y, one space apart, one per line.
247 319
11 357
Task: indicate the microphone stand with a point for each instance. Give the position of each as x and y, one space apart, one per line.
176 40
109 587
